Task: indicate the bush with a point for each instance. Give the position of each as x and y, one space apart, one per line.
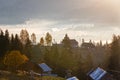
14 59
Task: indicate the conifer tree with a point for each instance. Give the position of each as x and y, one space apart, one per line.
4 42
66 42
41 41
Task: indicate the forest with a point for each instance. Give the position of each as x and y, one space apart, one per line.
22 52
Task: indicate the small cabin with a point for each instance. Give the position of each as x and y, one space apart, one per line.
46 70
99 74
72 78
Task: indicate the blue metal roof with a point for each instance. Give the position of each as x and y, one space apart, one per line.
72 78
97 74
45 67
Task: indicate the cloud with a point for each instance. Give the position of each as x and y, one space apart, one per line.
76 31
66 11
35 25
89 19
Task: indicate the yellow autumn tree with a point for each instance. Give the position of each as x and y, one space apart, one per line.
48 39
14 59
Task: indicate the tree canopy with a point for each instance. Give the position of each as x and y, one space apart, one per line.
48 39
14 59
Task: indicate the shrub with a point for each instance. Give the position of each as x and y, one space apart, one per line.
14 59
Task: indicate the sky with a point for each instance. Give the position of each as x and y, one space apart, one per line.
89 19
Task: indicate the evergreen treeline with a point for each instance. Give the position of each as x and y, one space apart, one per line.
114 65
14 42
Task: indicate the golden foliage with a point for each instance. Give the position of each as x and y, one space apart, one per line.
48 39
15 58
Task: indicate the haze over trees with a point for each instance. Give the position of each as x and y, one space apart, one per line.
115 55
16 49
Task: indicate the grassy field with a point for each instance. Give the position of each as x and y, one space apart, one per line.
6 75
52 78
